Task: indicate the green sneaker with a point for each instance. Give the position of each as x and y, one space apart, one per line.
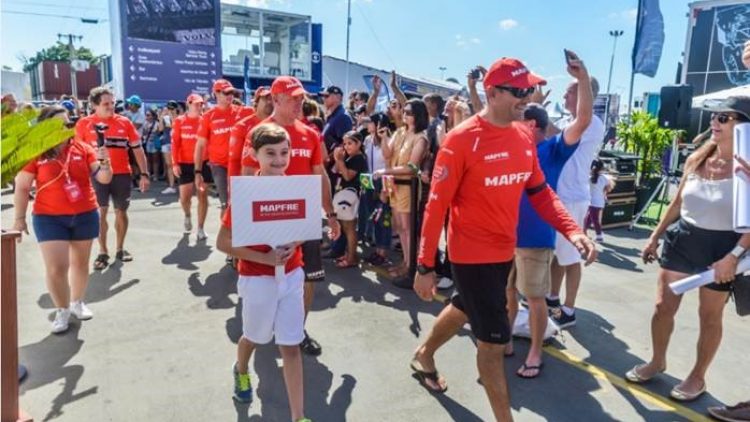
243 391
304 420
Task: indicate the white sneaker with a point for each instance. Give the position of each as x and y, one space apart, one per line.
599 238
80 310
169 191
188 224
201 235
444 283
60 324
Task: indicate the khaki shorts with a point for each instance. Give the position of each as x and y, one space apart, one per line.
531 271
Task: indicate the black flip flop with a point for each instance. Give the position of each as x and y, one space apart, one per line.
423 376
101 262
525 368
124 256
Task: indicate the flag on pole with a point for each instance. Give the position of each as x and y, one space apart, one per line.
649 38
246 79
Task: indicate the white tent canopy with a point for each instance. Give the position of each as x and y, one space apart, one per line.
708 99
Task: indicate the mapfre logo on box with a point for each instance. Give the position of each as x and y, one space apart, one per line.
287 209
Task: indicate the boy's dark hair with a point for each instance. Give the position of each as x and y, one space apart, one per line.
317 121
268 134
596 168
95 96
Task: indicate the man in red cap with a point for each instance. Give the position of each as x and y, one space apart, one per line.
184 138
213 133
481 171
288 94
263 107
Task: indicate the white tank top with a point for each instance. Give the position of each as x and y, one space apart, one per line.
707 203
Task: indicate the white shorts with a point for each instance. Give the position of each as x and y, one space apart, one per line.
566 253
270 308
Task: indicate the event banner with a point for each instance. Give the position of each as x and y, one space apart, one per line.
166 49
275 210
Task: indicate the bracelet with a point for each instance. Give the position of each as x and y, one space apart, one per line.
144 175
199 171
413 168
331 215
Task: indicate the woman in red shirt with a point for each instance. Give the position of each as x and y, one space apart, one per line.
65 216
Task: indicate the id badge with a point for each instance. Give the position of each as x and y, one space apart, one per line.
72 191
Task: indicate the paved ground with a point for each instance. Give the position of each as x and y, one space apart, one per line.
163 341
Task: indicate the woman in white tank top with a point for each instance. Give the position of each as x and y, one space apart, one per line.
699 236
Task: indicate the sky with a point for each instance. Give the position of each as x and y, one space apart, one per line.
414 37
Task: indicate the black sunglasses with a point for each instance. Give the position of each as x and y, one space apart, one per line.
723 118
519 93
408 112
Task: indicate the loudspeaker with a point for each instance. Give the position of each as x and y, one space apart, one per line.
676 102
618 212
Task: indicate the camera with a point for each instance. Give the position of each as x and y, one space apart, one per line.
475 74
101 128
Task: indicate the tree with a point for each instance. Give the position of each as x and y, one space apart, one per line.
60 52
23 139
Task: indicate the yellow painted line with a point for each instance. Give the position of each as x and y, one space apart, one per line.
634 389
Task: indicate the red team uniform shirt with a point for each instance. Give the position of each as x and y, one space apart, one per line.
305 149
184 137
240 132
252 268
480 173
50 180
120 136
216 125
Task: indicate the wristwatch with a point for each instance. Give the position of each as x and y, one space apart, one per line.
738 251
423 270
144 175
331 215
199 171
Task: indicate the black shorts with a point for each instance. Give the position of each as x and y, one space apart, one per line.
691 250
187 173
480 294
119 189
313 261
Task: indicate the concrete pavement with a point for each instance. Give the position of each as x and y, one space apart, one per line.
162 342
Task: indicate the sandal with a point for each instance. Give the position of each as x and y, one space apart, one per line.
681 395
123 256
525 367
424 376
101 262
345 263
635 377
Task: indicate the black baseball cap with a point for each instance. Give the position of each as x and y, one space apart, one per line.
738 104
172 104
331 90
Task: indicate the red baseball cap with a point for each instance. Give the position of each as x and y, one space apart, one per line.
511 72
224 86
194 98
287 85
262 92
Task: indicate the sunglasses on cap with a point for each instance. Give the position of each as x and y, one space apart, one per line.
723 118
519 93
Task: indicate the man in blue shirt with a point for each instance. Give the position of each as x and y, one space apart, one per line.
338 121
536 239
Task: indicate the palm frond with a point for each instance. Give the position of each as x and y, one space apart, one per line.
24 139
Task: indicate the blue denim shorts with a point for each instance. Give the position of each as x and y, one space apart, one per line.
84 226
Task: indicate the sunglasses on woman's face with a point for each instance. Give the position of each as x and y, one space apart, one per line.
408 112
519 93
723 118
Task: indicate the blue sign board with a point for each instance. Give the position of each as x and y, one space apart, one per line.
169 49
